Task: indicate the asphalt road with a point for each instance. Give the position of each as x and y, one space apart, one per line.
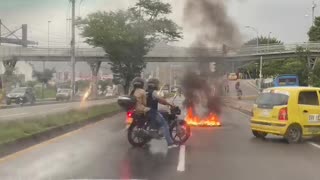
42 110
101 151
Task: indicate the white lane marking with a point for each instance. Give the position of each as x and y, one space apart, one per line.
182 158
246 115
243 113
11 115
314 144
238 112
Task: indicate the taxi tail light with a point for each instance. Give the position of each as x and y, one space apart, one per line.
283 114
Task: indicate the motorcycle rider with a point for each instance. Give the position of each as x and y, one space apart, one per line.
238 89
141 107
153 99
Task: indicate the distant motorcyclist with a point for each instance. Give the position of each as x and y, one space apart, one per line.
226 84
238 89
153 99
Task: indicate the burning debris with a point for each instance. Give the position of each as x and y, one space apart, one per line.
201 101
202 90
210 120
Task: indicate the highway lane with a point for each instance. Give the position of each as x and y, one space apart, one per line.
101 151
42 110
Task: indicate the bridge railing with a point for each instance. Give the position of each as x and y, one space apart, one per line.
6 51
10 51
276 49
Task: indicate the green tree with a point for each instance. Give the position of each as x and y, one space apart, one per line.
314 31
268 67
45 76
127 36
263 41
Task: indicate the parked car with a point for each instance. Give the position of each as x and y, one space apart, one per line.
63 94
21 95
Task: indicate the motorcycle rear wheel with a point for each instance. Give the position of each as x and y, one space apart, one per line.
136 138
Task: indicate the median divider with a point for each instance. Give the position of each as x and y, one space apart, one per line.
50 101
17 135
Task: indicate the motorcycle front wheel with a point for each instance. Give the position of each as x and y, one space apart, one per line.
180 132
136 137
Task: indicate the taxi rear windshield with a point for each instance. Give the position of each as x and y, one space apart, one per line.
269 100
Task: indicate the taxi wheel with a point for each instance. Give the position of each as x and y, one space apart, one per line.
259 134
293 134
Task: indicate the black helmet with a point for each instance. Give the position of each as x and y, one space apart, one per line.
138 82
153 83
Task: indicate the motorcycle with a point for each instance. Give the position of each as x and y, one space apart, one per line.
239 93
140 132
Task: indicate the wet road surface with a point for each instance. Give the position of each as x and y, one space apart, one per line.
101 151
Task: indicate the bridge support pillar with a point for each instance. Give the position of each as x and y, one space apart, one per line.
95 66
9 66
312 61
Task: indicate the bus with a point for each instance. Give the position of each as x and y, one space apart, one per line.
286 80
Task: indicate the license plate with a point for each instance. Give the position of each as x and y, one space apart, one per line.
265 113
314 118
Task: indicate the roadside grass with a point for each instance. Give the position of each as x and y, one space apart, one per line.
14 130
48 92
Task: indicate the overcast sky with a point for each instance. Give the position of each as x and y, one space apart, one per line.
286 19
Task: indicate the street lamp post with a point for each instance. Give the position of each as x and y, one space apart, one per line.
261 60
172 80
269 40
48 41
44 62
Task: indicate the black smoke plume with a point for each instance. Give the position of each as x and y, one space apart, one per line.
214 28
211 21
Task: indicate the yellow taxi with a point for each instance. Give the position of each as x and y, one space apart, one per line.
232 76
291 112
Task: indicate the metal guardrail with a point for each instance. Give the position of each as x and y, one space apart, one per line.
11 51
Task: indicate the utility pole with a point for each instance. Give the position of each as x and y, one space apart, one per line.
0 31
73 50
44 63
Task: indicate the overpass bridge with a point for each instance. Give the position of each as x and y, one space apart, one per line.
161 53
95 56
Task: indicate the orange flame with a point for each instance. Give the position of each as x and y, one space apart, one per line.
211 120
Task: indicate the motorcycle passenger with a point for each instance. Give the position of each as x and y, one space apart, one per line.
153 99
141 106
140 95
